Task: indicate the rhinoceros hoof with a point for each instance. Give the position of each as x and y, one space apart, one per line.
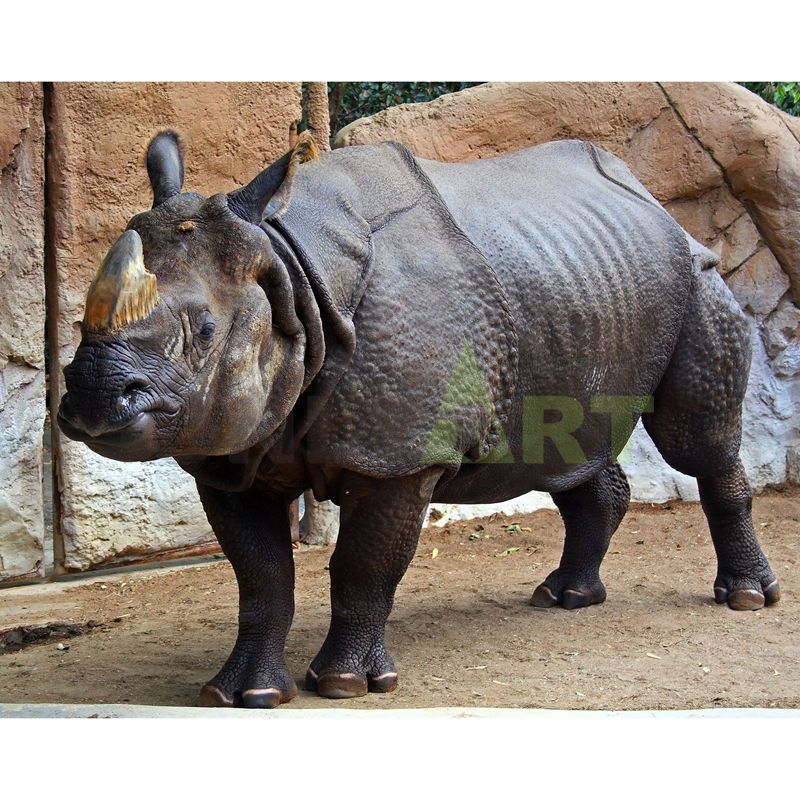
747 594
341 685
567 593
213 696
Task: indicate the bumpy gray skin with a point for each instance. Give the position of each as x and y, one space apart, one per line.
399 316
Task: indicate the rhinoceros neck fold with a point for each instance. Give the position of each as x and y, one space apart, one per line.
327 292
305 302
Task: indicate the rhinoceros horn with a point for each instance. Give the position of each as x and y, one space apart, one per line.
267 195
165 166
123 291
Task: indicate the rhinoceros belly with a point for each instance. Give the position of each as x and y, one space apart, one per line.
597 276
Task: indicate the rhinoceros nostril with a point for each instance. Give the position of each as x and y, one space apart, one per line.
132 397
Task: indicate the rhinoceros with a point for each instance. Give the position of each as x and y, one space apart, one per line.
389 331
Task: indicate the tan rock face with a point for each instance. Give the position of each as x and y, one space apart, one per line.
724 163
230 133
758 150
738 242
22 319
632 120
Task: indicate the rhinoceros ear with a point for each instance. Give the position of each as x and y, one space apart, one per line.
268 194
165 166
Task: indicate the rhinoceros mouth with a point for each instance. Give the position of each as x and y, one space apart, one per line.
138 439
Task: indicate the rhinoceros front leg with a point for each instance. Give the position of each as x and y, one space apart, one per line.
255 534
378 534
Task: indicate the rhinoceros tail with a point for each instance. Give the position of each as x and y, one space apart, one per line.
702 257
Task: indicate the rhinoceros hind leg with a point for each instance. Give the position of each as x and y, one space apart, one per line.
254 532
744 578
591 513
696 425
379 529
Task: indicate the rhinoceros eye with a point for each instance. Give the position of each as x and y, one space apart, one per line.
206 331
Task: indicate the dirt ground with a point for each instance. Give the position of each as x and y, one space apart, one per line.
461 633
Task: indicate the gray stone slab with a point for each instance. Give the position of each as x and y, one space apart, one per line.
63 711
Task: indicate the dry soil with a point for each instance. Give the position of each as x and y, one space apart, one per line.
461 633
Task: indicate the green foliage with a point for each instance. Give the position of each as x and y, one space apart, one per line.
350 101
785 95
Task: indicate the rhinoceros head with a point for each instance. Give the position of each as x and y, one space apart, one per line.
190 343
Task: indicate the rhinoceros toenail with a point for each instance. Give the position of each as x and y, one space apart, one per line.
543 597
746 600
212 697
342 686
387 682
261 698
572 598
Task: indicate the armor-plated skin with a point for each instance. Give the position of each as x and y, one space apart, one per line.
388 331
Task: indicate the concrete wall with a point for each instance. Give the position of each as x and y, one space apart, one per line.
106 512
110 510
